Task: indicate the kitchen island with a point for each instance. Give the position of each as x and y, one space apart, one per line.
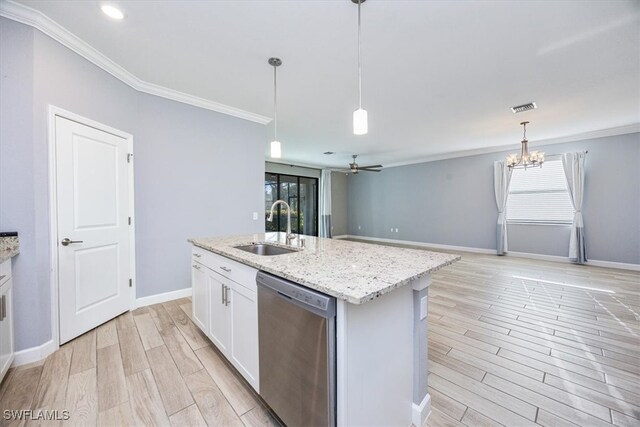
380 317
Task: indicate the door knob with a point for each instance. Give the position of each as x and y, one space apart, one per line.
67 242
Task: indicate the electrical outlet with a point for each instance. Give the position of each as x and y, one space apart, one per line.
255 216
392 229
396 230
423 307
359 228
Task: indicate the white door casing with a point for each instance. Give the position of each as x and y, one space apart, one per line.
92 194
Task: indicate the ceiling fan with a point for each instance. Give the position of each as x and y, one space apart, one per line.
354 168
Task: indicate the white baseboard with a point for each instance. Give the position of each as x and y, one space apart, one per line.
34 354
542 257
593 262
612 264
164 297
420 244
341 236
420 413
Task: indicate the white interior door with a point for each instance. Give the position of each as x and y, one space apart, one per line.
94 244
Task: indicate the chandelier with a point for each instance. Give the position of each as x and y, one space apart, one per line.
527 159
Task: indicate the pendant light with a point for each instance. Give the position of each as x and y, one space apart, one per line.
276 147
360 120
533 159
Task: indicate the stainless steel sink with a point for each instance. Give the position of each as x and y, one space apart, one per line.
265 249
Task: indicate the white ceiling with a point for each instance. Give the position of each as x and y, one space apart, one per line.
438 76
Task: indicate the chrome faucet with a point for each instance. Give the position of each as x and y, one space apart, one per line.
290 235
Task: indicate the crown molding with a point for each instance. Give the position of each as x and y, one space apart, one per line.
36 19
619 130
601 133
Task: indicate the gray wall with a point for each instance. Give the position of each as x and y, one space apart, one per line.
339 205
197 172
18 181
452 202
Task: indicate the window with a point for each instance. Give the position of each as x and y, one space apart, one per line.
539 195
301 193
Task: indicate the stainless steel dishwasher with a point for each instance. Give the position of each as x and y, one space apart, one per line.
297 341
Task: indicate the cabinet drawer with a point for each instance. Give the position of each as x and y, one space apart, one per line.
206 258
238 272
5 271
199 255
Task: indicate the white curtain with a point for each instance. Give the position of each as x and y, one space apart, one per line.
573 164
325 204
501 181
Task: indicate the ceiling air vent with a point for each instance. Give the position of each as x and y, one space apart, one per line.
524 107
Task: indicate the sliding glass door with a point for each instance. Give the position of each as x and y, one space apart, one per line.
301 193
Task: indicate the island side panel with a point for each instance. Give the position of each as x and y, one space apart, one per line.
375 360
421 397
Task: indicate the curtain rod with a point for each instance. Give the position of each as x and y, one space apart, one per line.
560 154
293 166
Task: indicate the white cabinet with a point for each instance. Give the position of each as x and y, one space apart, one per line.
231 309
244 333
219 315
200 297
6 319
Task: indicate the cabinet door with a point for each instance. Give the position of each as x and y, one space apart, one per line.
6 330
200 299
219 319
244 333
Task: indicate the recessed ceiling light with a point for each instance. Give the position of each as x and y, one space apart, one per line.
112 12
329 152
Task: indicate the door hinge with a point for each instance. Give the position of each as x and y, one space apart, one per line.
129 156
129 220
131 283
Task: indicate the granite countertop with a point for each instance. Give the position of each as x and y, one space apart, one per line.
9 247
351 271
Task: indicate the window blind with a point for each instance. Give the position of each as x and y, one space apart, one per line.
539 195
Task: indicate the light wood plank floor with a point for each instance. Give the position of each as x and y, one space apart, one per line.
520 342
512 342
149 367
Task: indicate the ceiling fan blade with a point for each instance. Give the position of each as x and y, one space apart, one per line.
369 167
370 170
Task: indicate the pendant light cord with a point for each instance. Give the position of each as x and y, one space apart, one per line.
275 104
359 60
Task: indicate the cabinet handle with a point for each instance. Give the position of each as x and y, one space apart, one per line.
3 307
197 255
222 292
228 270
196 266
226 295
